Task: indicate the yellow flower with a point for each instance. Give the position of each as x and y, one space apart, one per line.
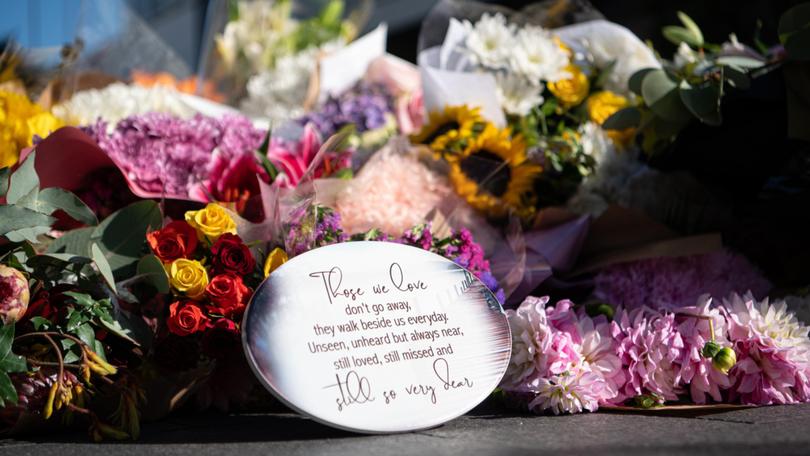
275 259
601 105
570 92
449 129
493 175
20 120
188 277
211 222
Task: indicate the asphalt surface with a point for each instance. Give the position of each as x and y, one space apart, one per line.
780 430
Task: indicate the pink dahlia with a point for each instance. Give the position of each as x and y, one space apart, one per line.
698 325
568 392
773 352
649 349
530 340
671 282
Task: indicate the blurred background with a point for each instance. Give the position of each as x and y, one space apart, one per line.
46 25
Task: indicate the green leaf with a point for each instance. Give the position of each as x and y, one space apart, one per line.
634 84
702 101
16 218
660 92
73 355
82 299
98 347
122 235
604 74
6 339
152 270
677 35
76 242
57 198
8 394
116 328
40 323
740 61
4 175
86 334
793 20
24 181
102 265
622 119
27 234
737 77
13 363
691 26
268 166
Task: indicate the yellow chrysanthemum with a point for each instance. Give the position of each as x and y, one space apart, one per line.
603 104
494 176
20 121
571 91
446 128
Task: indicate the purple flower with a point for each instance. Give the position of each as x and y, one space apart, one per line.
366 106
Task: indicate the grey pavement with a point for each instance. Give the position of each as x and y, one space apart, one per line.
779 430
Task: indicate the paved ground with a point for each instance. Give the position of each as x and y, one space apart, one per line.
768 430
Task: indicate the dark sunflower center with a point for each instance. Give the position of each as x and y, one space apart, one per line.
488 170
443 129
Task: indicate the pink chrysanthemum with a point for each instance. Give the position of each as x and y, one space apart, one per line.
567 392
649 348
672 282
695 369
773 352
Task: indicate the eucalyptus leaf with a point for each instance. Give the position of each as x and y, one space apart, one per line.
5 173
58 198
634 84
151 269
660 92
702 101
691 26
740 61
622 119
27 234
8 394
24 181
122 236
103 265
75 242
678 35
15 218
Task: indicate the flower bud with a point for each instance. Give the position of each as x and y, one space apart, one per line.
600 308
14 294
710 349
724 360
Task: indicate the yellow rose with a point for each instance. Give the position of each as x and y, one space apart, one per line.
211 222
602 105
570 92
188 277
275 259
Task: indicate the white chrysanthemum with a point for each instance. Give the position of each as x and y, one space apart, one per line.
594 140
490 41
568 393
537 57
771 324
118 101
529 330
516 95
279 94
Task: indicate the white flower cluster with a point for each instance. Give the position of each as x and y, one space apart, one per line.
118 101
522 59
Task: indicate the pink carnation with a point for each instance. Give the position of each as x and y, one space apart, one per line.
773 352
672 282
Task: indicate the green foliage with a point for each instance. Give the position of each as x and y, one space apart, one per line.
690 33
9 363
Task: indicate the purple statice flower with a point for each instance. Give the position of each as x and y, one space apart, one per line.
672 282
166 155
418 236
312 227
366 106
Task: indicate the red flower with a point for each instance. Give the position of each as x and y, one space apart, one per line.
185 318
222 340
176 240
227 293
230 254
41 306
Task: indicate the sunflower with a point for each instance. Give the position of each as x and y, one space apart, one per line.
494 175
450 129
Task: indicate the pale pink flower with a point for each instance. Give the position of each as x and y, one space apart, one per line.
773 352
530 340
696 370
649 348
567 392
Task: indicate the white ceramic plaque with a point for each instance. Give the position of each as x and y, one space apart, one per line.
376 337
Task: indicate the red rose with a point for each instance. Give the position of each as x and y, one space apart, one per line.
230 254
176 240
186 317
227 293
222 340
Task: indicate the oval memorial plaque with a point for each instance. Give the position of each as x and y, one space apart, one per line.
376 337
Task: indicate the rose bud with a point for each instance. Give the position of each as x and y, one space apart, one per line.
724 360
14 294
